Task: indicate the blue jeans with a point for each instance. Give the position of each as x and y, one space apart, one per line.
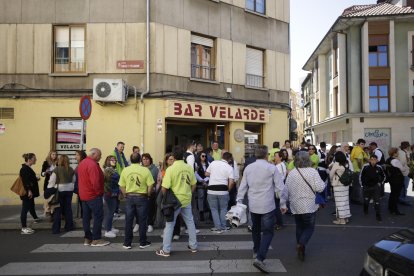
187 216
111 203
218 207
94 206
262 233
136 206
305 225
403 196
65 201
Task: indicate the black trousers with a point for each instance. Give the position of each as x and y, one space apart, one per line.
396 187
373 193
28 205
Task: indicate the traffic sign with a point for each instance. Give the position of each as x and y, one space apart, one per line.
85 107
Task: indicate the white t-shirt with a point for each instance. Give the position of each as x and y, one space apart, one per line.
220 173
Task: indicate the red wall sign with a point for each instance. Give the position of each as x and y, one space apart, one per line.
130 64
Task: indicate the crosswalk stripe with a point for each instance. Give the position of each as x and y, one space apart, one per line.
139 267
158 232
117 247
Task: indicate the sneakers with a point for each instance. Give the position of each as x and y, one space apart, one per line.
114 230
87 242
27 231
150 229
110 234
99 242
260 266
176 237
127 246
136 228
37 220
339 221
161 252
145 245
217 231
117 215
226 229
193 250
249 228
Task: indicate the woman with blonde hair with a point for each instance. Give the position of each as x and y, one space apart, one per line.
63 179
48 166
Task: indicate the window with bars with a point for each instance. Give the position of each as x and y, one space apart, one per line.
258 6
69 49
6 113
254 67
202 58
379 98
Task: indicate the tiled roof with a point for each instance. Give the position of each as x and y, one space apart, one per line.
376 10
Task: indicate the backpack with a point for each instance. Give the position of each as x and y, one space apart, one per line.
347 177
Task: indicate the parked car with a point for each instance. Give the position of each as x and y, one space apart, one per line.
391 256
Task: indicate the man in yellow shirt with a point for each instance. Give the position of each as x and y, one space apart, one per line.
216 151
358 158
136 184
180 178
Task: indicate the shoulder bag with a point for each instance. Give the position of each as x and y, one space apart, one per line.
18 187
319 198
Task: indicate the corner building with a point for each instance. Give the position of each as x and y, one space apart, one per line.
218 70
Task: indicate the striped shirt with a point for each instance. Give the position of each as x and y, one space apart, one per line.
301 197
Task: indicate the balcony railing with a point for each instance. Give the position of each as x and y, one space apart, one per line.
254 80
203 72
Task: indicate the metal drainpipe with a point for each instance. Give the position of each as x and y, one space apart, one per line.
148 78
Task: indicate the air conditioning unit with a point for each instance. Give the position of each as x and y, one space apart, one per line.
110 90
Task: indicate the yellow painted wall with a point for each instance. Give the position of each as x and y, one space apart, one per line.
31 131
277 129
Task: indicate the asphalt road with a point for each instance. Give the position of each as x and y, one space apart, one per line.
333 250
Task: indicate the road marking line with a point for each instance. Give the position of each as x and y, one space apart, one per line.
158 232
139 267
117 247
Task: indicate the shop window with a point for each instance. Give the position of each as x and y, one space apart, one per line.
253 136
67 137
258 6
69 49
379 98
202 58
254 67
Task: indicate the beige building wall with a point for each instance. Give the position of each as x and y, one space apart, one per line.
277 129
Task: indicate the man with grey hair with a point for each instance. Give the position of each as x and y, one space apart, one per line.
91 190
262 181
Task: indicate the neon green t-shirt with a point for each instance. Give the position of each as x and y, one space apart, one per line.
136 179
216 154
314 158
291 165
272 154
179 177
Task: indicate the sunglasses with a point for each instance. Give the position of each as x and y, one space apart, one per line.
203 156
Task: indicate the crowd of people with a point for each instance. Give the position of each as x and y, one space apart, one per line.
193 185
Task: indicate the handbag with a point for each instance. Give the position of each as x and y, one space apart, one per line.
319 198
18 187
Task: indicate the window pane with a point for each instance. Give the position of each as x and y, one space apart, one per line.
372 48
383 89
382 48
193 60
260 6
373 105
383 61
373 91
373 59
384 105
250 5
61 49
77 44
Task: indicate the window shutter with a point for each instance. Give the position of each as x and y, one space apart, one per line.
254 62
202 40
6 113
